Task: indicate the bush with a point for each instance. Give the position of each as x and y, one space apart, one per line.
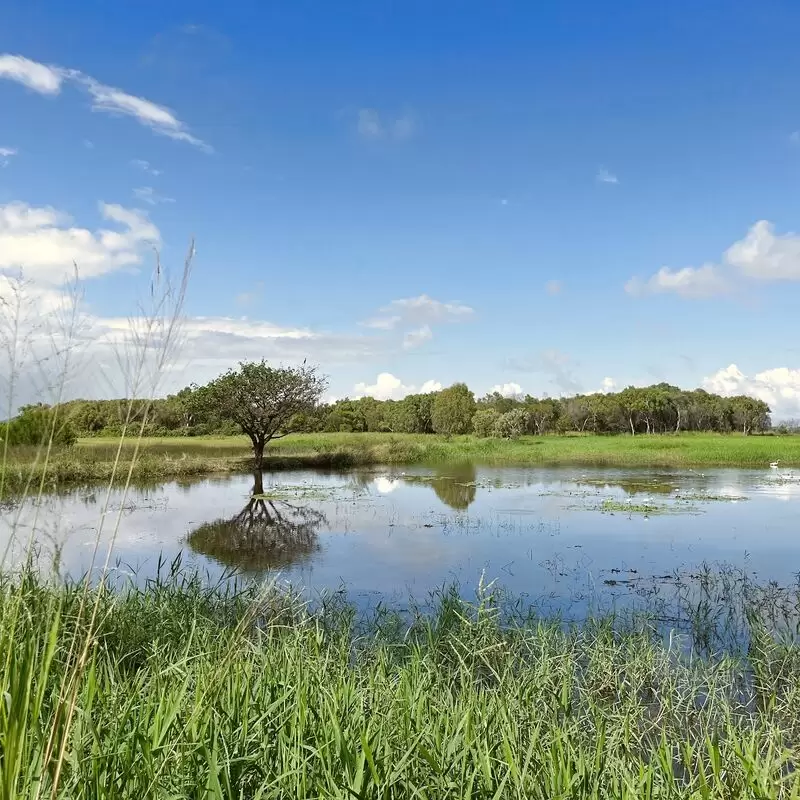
512 424
36 426
484 421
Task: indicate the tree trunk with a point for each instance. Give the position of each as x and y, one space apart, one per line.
258 452
633 430
678 425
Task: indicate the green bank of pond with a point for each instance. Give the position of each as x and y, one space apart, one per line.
183 455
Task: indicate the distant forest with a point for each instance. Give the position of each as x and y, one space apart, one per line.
661 408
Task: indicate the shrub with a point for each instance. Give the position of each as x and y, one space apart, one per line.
484 421
36 426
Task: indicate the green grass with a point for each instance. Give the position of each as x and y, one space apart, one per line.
93 460
376 448
184 691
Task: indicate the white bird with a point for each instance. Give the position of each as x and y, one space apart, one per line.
774 464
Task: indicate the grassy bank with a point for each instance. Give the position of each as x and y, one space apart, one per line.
93 460
179 690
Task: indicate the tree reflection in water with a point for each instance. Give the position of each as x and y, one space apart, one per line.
266 534
455 485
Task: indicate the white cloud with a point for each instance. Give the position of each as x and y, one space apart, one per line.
5 154
554 287
48 80
510 390
36 76
764 256
145 166
383 323
370 125
704 281
148 194
159 119
605 176
416 316
417 337
43 243
609 386
761 255
388 387
778 387
421 310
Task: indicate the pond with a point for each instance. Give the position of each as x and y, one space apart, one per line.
561 536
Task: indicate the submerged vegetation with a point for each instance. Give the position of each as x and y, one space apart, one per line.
178 689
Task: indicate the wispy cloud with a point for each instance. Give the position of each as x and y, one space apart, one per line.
604 175
145 166
554 287
417 337
421 310
372 125
48 79
5 154
36 76
147 194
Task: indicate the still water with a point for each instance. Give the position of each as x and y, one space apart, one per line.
548 534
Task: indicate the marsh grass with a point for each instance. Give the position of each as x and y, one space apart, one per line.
193 690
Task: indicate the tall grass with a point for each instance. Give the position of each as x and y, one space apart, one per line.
197 691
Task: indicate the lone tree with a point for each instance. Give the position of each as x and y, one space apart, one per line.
263 400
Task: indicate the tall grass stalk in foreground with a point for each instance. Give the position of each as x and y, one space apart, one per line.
153 338
221 691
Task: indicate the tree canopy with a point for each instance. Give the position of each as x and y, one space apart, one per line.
263 401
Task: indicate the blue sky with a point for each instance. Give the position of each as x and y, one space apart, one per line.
532 195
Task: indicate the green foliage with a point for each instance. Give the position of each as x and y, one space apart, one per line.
453 409
655 409
262 400
38 426
512 424
484 421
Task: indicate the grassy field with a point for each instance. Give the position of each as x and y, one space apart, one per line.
93 460
178 690
385 448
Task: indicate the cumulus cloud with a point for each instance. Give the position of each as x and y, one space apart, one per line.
764 256
147 194
371 125
510 390
389 387
779 387
704 281
605 176
609 386
760 256
48 80
46 246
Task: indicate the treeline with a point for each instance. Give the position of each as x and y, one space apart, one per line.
661 408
